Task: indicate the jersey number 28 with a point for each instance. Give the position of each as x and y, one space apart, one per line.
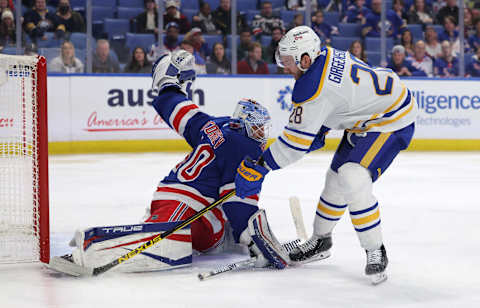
361 66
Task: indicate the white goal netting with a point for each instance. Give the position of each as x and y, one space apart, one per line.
20 238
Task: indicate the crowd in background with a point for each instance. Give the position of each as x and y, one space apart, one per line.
435 53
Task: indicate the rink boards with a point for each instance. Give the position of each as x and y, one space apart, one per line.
113 113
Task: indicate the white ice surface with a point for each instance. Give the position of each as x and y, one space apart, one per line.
430 209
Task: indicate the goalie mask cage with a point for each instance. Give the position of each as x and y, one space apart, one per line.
24 216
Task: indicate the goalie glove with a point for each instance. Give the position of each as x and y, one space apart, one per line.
174 70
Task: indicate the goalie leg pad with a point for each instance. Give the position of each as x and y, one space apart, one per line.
265 241
99 246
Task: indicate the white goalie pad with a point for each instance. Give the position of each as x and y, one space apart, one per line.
265 241
101 245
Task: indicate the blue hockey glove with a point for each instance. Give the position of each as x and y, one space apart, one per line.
249 178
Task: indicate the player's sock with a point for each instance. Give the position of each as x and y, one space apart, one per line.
316 248
377 262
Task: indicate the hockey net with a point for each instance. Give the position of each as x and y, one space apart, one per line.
24 215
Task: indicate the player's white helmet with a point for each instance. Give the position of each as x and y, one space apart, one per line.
253 118
297 42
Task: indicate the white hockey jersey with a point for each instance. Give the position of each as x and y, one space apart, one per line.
341 92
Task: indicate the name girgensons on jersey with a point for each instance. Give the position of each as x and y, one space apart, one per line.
338 66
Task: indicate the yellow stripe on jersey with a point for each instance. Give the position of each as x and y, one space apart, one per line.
298 140
386 122
374 149
366 219
375 116
399 99
322 79
330 212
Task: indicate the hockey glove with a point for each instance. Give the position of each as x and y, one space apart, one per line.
249 178
174 70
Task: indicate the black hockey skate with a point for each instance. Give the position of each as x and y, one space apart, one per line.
377 262
316 248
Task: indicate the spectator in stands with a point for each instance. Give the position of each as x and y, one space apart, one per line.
473 69
399 9
407 42
264 22
474 39
245 41
66 62
138 63
469 26
270 50
446 65
147 22
222 18
420 13
371 28
8 36
103 61
323 29
66 20
195 37
450 34
420 60
170 42
38 20
173 14
253 63
356 13
218 63
199 65
433 47
30 49
204 20
357 49
300 5
298 20
400 65
6 5
451 9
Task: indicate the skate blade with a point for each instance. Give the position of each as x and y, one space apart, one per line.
378 278
66 267
318 257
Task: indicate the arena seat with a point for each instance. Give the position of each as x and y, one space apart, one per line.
99 13
349 29
191 5
246 5
132 3
128 12
133 40
116 28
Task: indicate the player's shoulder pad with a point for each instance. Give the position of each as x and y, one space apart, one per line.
309 85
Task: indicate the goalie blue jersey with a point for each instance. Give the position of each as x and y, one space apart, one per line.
208 171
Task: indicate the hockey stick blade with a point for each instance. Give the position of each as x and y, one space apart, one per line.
296 211
63 266
227 268
249 263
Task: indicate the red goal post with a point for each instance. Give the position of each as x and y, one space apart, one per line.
24 209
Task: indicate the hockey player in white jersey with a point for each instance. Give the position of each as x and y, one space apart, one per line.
335 90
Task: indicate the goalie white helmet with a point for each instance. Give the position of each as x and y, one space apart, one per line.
253 118
295 43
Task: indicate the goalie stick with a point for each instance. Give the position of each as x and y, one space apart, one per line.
61 265
297 216
244 264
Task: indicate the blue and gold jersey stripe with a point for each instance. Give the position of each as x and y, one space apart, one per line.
320 83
